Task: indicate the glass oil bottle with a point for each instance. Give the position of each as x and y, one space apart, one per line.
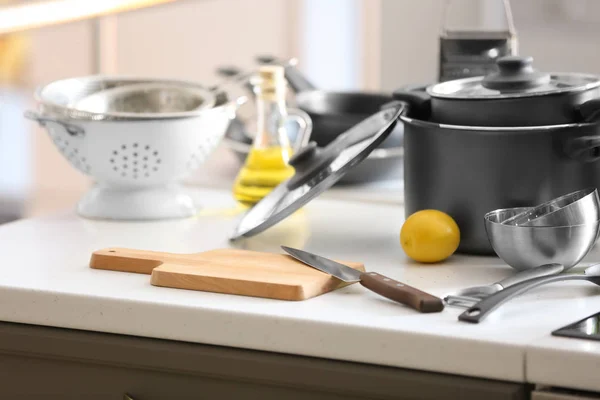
266 165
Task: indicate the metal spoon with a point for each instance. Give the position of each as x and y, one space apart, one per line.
479 311
473 294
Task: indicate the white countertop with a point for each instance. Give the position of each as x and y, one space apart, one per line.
45 280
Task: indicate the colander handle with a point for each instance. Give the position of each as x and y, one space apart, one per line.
305 123
72 130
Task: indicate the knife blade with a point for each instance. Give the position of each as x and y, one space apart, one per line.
380 284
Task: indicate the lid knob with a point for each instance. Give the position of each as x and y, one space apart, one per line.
304 155
515 74
309 162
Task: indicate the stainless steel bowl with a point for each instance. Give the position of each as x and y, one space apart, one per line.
525 247
575 208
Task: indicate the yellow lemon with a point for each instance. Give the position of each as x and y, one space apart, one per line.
429 236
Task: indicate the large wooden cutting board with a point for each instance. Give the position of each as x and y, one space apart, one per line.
232 271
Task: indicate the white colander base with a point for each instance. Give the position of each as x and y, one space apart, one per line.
141 203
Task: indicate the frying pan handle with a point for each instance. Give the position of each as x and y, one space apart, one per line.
584 148
71 129
479 311
296 80
305 123
234 75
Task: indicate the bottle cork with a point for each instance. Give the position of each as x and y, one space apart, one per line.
271 82
271 74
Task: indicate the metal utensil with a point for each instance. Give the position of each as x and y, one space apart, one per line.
477 292
482 309
382 285
576 208
526 247
462 301
486 290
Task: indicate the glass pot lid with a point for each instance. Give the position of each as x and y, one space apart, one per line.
317 169
515 77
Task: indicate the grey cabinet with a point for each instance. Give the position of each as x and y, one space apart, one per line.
562 394
45 363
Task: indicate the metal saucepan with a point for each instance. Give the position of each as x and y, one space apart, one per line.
516 95
467 171
475 149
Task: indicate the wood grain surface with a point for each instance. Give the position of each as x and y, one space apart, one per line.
231 271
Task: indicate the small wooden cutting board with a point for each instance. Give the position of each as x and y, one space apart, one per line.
231 271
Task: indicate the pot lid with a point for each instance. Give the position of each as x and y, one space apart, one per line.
515 77
317 169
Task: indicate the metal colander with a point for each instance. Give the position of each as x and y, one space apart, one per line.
117 98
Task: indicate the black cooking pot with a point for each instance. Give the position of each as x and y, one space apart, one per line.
516 95
469 169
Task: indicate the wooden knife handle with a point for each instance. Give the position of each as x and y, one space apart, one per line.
402 293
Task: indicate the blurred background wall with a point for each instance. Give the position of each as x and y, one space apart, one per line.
341 44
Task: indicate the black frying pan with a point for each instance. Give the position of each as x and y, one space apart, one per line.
333 112
383 164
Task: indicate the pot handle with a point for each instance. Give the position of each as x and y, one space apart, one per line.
590 110
297 81
72 130
417 98
584 148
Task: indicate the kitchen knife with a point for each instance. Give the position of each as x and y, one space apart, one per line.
382 285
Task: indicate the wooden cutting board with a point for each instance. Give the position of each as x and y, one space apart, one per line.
232 271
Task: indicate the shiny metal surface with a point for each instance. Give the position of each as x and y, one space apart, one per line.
542 270
461 301
471 88
479 311
336 159
469 296
576 208
146 98
526 247
109 98
326 265
478 291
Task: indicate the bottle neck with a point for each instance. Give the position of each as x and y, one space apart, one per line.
271 117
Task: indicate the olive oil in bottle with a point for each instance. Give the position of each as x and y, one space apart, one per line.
267 163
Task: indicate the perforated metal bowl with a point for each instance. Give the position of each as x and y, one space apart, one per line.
101 98
137 164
